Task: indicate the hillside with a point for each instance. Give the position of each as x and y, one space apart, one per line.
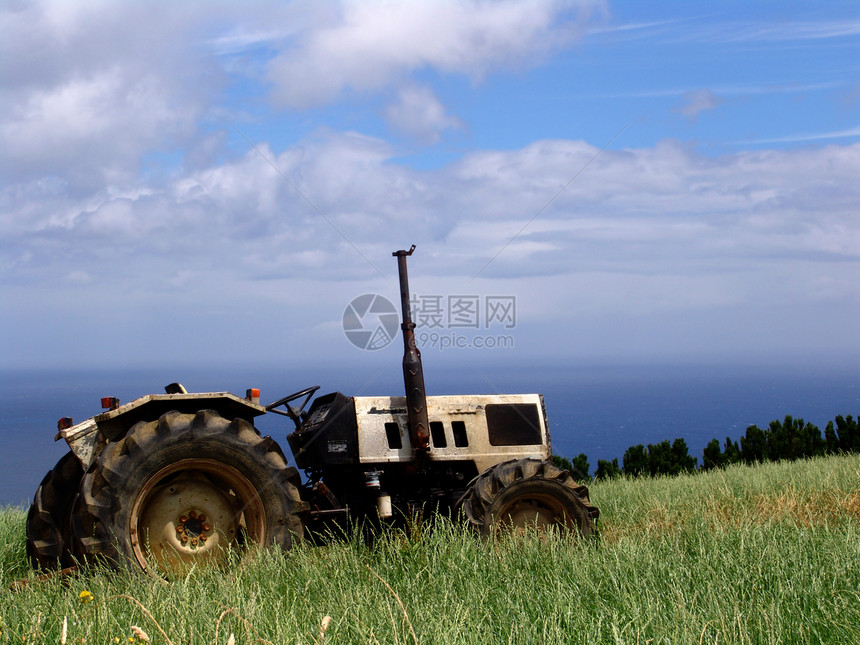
761 554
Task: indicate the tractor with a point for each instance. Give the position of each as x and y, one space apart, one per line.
177 479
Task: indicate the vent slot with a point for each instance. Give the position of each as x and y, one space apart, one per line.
392 433
459 430
437 434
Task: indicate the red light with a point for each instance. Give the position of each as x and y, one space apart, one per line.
253 395
65 423
110 402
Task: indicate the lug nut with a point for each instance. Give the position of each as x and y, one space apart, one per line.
201 517
192 514
206 527
183 519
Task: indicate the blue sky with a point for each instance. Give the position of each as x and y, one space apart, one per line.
191 184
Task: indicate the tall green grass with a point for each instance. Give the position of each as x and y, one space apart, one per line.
764 554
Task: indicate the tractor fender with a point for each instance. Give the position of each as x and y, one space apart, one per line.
88 438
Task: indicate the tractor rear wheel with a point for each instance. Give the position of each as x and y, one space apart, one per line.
528 493
49 533
184 490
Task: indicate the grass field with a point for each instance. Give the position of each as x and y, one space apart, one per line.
765 554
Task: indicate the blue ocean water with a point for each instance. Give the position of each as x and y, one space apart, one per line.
599 409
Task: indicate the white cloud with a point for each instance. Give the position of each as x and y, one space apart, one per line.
848 133
664 208
698 101
78 277
661 232
91 92
419 114
87 88
374 44
785 31
707 29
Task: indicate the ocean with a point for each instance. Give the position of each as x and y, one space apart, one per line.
599 410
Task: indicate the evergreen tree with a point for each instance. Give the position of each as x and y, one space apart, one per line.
659 458
778 439
793 439
581 468
635 461
607 469
849 434
831 439
753 445
812 443
712 457
562 462
731 452
682 461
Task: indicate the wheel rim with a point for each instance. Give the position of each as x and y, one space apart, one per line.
532 512
193 512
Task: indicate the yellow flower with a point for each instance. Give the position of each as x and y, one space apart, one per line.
85 596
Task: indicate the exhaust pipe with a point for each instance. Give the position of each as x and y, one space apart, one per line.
413 373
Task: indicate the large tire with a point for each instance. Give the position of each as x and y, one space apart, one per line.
184 490
49 534
516 495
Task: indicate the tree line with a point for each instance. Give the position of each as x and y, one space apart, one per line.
788 439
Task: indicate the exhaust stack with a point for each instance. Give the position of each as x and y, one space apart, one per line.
413 373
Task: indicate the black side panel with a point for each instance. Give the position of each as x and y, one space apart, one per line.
513 424
329 435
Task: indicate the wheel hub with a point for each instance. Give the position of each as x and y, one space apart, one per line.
527 515
190 519
536 512
193 527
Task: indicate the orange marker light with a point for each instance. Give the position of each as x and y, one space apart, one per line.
110 402
253 395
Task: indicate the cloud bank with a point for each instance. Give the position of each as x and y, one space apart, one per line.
134 222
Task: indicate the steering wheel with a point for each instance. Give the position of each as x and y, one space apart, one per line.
294 413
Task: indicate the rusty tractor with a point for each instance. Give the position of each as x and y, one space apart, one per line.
176 479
